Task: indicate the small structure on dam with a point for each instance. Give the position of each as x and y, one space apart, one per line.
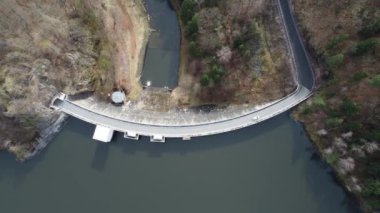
103 134
117 97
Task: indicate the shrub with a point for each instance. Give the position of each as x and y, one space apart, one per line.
253 31
319 101
371 29
194 49
333 122
375 203
216 73
332 159
103 62
358 76
211 3
363 47
374 135
349 107
239 44
205 80
337 40
305 110
372 188
375 82
191 28
352 126
335 61
238 41
374 169
332 112
78 4
187 10
89 19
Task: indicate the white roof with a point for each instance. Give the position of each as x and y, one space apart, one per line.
118 97
130 133
103 134
157 138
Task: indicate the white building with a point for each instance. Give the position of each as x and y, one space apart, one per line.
103 134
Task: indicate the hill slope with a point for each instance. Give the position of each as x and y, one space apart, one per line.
343 117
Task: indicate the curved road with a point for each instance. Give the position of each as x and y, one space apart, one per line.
304 77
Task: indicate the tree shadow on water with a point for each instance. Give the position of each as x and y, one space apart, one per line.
16 171
329 194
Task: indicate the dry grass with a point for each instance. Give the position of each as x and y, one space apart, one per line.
45 47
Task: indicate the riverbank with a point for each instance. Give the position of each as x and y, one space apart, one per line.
44 138
342 118
27 150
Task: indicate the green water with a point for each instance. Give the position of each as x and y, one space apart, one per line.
265 168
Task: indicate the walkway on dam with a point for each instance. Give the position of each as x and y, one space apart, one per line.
188 127
184 131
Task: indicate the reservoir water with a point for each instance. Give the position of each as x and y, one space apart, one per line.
267 168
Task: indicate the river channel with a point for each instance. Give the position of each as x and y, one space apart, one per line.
161 61
266 168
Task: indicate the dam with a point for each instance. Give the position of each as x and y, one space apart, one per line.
188 124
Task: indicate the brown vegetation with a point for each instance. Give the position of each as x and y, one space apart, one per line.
237 53
44 49
343 118
72 46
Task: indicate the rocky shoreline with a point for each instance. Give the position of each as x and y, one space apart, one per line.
46 136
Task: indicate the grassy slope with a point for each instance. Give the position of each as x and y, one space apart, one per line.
348 100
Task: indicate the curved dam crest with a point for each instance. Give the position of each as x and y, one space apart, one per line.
183 124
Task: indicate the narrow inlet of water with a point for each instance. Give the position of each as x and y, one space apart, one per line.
161 61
